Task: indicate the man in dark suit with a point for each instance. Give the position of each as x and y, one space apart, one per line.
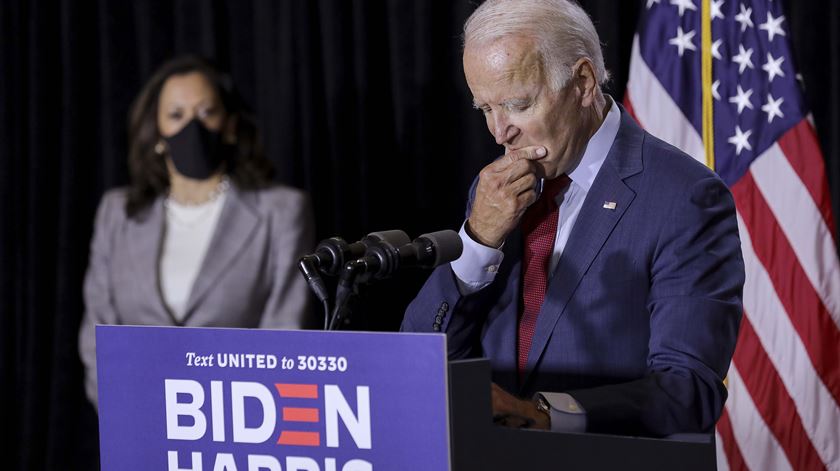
602 272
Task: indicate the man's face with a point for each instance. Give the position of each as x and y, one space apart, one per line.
508 82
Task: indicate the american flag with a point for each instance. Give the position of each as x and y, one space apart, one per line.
784 380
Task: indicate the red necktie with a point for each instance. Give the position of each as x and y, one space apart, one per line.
539 226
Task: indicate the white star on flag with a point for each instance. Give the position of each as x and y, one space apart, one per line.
651 2
773 108
742 99
744 18
715 93
773 67
740 140
682 41
684 5
773 26
743 59
716 49
716 13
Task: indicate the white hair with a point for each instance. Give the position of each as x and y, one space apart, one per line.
562 30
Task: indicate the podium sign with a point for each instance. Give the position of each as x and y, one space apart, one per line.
263 400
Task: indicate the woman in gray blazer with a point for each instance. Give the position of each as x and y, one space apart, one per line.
200 237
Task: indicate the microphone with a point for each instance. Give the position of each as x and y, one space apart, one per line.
384 259
331 254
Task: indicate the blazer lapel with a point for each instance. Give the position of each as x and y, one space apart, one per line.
233 230
144 242
593 227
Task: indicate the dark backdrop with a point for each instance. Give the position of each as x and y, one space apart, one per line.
362 103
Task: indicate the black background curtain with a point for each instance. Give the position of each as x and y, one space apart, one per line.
362 103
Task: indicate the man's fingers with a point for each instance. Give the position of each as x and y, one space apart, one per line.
519 169
527 153
494 179
505 410
526 198
513 156
527 182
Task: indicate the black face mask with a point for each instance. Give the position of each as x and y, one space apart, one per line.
196 151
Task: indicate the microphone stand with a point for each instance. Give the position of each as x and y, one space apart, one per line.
347 287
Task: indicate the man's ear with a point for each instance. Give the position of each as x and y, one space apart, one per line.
583 74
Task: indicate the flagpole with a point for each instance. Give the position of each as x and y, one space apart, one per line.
706 72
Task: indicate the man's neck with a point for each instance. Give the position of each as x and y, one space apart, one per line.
600 108
594 117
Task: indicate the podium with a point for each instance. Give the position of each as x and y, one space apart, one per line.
260 400
479 445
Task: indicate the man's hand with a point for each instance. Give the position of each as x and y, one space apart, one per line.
505 189
512 412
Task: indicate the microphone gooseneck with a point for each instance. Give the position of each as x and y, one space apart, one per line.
377 256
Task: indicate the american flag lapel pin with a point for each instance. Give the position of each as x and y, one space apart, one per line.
609 205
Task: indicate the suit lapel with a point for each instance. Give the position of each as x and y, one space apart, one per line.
144 242
233 230
593 227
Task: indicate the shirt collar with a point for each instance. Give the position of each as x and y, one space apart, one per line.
597 149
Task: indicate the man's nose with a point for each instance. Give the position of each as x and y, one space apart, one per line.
503 129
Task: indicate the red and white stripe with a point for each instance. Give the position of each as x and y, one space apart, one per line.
783 410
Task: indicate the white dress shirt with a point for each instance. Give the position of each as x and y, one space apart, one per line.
478 264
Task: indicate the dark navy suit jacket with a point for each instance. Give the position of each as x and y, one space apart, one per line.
642 312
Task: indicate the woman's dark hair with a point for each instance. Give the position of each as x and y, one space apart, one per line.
248 167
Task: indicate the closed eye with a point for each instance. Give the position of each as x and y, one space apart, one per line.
483 108
517 105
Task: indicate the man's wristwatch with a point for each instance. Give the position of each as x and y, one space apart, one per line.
543 405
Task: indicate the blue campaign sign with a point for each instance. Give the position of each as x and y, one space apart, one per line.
264 400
